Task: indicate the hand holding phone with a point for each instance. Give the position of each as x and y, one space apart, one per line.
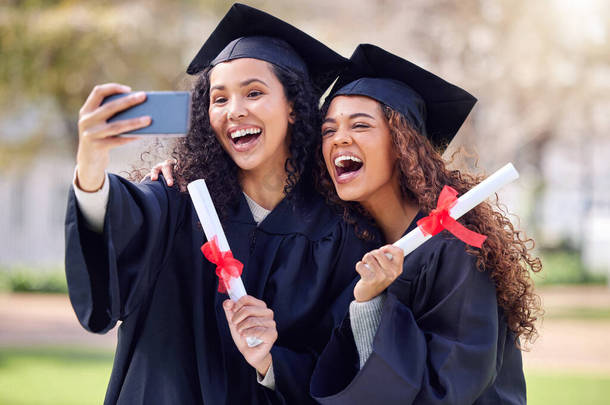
96 136
170 113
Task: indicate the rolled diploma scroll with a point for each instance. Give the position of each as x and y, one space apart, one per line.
465 203
211 226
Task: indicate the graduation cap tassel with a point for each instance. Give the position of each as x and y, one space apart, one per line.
439 219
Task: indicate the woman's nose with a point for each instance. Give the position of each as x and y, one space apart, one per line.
342 138
236 109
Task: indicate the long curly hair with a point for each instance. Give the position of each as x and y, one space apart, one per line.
506 253
200 155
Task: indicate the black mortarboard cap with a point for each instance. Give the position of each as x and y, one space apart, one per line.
435 107
245 32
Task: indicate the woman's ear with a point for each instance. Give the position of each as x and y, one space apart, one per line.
291 115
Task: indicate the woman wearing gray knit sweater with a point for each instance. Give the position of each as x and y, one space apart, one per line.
441 326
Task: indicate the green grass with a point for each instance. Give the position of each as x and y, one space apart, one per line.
71 376
567 388
579 313
53 376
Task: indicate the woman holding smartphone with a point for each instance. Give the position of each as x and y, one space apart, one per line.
132 250
444 323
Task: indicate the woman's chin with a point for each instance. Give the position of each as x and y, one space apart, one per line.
247 161
347 192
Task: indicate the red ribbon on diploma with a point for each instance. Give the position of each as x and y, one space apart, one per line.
227 266
440 219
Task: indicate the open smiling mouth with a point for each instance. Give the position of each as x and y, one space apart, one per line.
245 136
347 166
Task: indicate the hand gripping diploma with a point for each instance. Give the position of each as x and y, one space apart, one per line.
250 321
380 267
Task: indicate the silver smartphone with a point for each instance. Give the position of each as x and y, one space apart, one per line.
170 112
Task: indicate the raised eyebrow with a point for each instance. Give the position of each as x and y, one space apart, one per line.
242 84
250 81
361 114
351 117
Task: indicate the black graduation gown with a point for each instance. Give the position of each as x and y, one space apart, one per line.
174 344
442 339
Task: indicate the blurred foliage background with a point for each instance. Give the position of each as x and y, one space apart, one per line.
540 70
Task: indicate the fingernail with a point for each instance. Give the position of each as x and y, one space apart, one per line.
126 88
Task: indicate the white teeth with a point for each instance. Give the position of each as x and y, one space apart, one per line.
339 160
243 132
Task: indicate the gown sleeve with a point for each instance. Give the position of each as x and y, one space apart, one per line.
436 342
293 368
92 205
108 274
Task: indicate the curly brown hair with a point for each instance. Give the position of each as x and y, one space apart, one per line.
506 253
200 155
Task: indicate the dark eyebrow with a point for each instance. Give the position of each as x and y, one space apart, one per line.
351 117
356 115
242 84
250 81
